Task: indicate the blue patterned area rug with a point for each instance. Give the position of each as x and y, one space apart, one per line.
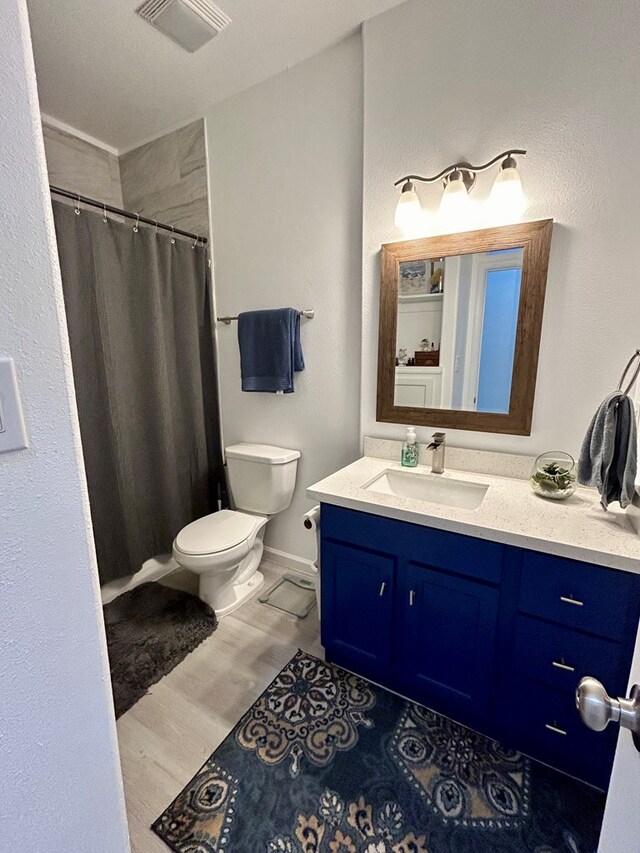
324 762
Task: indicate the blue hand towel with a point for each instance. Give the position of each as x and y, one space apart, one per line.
270 349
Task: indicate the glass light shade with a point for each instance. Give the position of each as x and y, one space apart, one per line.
408 210
507 200
455 206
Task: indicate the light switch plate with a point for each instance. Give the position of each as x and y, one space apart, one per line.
13 435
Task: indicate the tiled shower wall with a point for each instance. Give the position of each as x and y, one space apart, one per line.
165 179
76 165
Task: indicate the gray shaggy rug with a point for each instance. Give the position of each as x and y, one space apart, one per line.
149 631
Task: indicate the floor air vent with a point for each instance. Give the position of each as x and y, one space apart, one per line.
189 23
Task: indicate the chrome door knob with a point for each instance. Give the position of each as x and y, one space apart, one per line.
598 709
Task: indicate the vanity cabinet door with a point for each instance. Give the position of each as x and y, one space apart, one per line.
449 627
357 608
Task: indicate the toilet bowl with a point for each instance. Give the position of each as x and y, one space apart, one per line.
225 548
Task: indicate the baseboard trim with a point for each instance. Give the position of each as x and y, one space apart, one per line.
290 561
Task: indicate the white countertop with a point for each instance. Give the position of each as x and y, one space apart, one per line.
511 513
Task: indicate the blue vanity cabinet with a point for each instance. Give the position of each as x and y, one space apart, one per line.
494 636
357 607
412 608
448 629
569 619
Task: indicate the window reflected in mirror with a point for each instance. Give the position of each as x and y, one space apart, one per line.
456 331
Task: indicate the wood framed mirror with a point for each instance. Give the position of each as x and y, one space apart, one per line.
460 324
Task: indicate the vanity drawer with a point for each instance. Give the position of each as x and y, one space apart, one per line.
560 657
451 552
548 727
577 595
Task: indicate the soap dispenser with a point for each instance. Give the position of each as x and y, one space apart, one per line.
410 449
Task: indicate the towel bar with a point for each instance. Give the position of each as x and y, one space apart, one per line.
309 313
636 373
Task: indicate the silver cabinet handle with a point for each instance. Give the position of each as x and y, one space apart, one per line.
412 596
382 587
554 729
560 664
570 600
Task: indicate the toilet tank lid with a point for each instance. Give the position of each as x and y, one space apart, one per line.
266 453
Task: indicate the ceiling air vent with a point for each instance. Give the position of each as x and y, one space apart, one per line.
189 23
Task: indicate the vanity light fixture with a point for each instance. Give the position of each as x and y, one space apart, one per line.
408 209
455 204
507 200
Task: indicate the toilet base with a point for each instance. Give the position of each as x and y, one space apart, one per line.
224 591
242 591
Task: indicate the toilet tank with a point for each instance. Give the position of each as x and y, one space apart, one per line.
262 477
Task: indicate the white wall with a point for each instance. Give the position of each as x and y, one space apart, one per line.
60 784
285 162
418 320
458 80
441 82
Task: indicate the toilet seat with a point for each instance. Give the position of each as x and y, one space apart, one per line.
217 532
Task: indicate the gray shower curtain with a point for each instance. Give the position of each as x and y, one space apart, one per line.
139 317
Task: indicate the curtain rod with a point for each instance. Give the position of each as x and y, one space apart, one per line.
108 208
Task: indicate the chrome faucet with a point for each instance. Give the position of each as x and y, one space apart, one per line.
438 447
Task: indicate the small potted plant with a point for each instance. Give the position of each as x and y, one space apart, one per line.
554 475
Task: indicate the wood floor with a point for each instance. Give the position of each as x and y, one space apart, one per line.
170 733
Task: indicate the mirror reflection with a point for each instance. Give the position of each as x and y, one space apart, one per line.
456 331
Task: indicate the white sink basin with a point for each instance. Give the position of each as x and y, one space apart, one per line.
429 487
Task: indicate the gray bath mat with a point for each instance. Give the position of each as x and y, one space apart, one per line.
149 631
292 594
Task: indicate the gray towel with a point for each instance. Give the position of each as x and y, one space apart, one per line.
609 455
270 350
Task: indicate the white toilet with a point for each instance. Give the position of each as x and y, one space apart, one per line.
225 548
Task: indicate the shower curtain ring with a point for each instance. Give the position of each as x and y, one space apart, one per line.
156 231
195 242
104 212
77 211
135 227
173 239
